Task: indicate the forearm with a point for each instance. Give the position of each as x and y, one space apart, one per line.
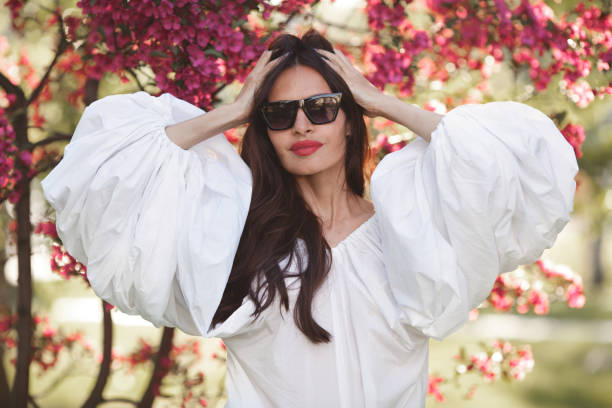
420 121
191 132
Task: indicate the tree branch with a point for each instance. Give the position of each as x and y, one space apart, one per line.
91 91
165 345
61 47
10 87
126 400
66 372
32 401
7 85
55 137
96 394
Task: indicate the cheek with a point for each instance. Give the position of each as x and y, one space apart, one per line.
276 138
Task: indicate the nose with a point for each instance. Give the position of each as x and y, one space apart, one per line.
302 124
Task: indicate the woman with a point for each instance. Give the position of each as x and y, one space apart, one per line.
174 225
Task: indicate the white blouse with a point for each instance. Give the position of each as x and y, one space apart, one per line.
158 226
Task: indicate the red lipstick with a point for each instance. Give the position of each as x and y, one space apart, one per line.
305 147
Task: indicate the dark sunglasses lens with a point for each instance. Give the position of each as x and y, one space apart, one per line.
280 115
322 109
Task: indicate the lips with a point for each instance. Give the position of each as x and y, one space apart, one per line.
305 144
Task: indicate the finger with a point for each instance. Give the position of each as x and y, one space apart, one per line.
332 60
328 55
271 64
335 66
262 60
264 63
342 56
278 59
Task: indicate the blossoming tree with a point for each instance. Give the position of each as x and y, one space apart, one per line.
195 49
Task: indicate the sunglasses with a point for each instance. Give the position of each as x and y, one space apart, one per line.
319 109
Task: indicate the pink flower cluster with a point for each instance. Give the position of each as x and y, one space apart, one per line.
179 371
500 359
381 15
433 384
10 174
192 47
465 33
62 262
566 278
511 290
46 228
65 265
12 159
382 146
496 360
574 134
47 342
535 287
15 6
396 65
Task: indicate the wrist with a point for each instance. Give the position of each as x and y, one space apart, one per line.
383 105
239 113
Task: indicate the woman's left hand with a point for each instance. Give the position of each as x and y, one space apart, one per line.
365 93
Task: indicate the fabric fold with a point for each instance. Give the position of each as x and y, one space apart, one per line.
490 192
156 225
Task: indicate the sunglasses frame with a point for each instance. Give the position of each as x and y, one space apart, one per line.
301 104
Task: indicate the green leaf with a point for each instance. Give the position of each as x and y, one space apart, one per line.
159 54
124 28
214 52
238 23
101 31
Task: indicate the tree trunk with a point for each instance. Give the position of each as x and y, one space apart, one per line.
96 394
24 293
165 345
598 273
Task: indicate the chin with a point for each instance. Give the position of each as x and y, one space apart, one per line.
301 171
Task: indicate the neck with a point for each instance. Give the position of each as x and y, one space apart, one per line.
329 197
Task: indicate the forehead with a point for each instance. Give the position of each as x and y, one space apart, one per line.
298 82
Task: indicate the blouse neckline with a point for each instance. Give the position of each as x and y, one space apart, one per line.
354 232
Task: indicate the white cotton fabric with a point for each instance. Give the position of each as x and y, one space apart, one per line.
158 227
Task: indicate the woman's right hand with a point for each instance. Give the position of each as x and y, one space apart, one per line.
244 100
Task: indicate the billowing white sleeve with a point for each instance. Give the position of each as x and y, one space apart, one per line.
490 192
156 225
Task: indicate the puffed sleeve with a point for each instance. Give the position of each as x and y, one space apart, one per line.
489 192
156 225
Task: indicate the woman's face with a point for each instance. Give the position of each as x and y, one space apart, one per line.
300 82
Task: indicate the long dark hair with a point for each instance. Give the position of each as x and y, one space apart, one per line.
278 214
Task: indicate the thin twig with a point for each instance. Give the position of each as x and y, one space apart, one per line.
10 87
33 402
107 340
126 400
66 372
165 345
55 137
61 47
